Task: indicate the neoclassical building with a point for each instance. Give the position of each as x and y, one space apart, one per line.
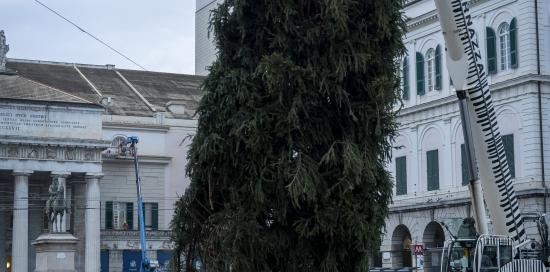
428 160
427 164
66 121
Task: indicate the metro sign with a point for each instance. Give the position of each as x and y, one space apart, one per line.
418 249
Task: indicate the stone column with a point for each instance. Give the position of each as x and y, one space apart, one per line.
78 225
3 220
20 236
92 221
62 178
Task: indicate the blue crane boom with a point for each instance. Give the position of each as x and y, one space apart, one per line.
146 264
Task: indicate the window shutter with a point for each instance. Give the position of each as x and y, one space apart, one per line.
144 214
155 216
508 142
130 215
116 215
491 51
433 170
420 74
465 165
406 78
438 84
514 43
109 215
401 176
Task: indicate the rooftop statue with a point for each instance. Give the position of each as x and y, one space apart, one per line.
4 48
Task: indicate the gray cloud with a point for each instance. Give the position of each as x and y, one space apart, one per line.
156 34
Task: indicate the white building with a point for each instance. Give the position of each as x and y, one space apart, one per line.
428 165
205 51
66 120
427 160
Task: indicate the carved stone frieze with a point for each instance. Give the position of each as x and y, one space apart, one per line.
53 153
88 155
13 151
168 245
131 244
70 154
33 154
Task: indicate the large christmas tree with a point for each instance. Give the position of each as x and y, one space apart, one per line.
295 128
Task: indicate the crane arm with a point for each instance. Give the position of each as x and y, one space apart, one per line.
464 61
145 262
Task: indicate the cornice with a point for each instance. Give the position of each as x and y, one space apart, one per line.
405 206
451 99
142 158
430 17
134 234
53 141
132 126
422 20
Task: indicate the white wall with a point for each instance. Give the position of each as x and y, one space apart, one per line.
163 153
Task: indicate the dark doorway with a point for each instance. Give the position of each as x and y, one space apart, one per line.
401 247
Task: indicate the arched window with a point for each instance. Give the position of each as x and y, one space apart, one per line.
430 69
504 46
117 145
118 141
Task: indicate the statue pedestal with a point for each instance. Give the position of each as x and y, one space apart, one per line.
55 252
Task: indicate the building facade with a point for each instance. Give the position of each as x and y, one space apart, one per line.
205 51
427 164
60 120
428 161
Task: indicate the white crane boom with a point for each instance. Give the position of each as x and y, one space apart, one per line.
466 68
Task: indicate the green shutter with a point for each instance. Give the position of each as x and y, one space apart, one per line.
420 74
155 216
438 83
514 43
508 142
401 176
465 165
130 215
432 162
109 215
491 51
406 78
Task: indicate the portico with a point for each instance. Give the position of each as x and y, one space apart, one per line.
40 142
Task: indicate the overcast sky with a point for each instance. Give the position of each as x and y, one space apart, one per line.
158 35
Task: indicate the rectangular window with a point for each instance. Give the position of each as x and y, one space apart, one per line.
508 142
430 59
148 211
118 215
401 175
150 215
432 163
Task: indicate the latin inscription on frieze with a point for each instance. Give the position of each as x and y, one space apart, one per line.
40 121
14 122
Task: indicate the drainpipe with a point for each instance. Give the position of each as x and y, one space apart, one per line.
539 93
